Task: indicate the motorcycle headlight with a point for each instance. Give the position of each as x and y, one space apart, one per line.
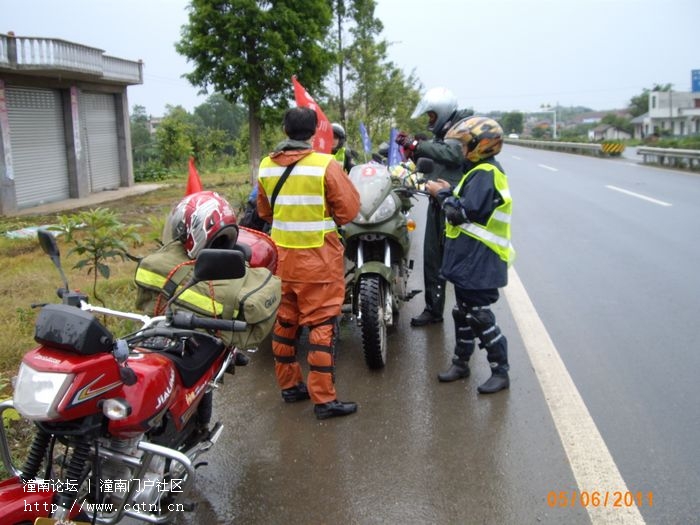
37 394
385 210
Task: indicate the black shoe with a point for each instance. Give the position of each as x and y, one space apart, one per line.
296 393
426 317
334 408
240 359
495 383
454 373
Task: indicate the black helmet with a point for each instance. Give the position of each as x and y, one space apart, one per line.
338 133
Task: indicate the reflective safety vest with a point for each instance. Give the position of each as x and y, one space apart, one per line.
340 156
299 219
496 232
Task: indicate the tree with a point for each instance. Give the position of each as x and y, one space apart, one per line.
384 96
618 122
176 136
141 138
218 113
639 104
249 51
341 15
512 122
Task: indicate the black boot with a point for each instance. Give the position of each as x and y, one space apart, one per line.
295 393
426 317
334 408
497 382
457 370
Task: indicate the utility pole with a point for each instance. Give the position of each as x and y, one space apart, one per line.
546 109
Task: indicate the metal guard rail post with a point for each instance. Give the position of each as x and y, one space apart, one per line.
676 158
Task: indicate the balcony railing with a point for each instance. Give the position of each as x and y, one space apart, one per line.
36 55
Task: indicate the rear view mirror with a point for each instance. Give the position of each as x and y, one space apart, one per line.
48 243
216 264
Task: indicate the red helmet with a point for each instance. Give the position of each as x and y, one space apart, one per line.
202 220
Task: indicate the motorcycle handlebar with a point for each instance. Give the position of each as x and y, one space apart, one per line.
191 321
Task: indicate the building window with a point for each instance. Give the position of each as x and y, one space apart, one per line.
653 102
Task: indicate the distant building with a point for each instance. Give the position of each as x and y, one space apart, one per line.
153 123
64 121
607 132
677 113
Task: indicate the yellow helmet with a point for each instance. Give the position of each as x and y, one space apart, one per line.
481 137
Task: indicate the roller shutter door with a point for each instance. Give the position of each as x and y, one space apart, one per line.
37 138
99 124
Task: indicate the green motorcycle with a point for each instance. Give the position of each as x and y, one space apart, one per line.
377 246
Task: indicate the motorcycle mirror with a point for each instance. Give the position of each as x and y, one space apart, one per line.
50 247
48 243
425 165
214 265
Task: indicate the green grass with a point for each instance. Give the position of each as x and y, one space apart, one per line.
28 276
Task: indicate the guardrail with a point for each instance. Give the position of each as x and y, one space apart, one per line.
583 148
676 158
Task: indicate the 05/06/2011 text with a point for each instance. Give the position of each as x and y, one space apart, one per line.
599 498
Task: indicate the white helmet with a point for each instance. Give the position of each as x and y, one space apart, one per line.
442 103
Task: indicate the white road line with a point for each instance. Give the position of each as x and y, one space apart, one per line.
639 196
589 457
516 157
550 168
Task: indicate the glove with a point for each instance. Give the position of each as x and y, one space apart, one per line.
408 142
454 211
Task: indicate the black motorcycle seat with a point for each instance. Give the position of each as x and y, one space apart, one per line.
200 354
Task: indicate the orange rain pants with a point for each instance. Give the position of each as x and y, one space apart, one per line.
316 306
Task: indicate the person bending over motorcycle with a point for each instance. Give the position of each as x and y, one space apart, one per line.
441 106
340 151
477 248
305 210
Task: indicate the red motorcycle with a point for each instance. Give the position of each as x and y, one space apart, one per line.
119 422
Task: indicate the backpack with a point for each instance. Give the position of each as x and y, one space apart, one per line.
253 298
250 218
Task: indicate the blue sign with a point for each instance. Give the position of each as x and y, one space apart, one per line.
695 80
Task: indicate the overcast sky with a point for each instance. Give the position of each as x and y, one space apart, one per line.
494 55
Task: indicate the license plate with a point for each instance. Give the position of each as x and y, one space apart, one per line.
53 521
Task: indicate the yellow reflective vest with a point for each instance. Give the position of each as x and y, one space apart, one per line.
299 219
340 156
496 232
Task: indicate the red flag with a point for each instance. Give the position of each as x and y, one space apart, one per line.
323 139
194 184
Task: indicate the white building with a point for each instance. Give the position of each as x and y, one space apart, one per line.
674 111
64 121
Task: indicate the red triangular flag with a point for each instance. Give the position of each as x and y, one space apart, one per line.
323 139
194 184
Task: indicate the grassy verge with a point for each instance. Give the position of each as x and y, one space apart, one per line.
28 276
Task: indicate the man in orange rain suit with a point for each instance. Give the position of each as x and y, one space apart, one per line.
307 207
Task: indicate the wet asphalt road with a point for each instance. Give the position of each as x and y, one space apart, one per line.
606 253
417 451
